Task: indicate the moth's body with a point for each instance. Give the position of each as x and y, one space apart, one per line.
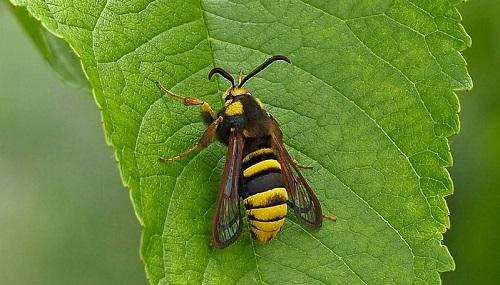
262 187
243 112
258 168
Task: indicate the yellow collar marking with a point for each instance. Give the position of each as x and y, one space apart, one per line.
236 91
235 108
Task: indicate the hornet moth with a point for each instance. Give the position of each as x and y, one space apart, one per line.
258 168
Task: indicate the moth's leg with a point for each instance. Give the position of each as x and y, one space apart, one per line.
202 143
190 101
330 217
300 165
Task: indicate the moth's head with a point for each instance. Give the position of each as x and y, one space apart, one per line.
233 92
238 90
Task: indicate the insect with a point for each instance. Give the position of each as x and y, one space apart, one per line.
258 168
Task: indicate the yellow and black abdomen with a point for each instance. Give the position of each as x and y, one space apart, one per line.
264 194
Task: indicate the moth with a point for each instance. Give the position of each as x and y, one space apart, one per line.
258 169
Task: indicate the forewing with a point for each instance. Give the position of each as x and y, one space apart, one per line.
227 222
301 197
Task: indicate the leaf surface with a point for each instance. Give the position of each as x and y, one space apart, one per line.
368 101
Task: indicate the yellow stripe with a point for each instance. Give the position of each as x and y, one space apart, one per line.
234 109
264 198
272 226
261 166
239 91
258 152
262 236
270 213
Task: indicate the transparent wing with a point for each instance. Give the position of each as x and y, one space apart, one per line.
227 222
301 197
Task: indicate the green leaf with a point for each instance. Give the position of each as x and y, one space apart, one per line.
55 50
368 101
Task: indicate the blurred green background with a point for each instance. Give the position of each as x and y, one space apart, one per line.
474 237
65 217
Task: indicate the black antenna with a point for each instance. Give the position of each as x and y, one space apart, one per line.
263 66
222 72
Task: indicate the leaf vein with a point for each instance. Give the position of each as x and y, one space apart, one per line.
329 249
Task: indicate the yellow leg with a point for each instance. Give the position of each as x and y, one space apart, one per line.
329 217
202 143
300 165
189 101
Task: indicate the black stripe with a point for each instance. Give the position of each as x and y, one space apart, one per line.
253 218
275 201
261 183
258 158
253 226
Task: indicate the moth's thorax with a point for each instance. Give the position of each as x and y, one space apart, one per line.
245 113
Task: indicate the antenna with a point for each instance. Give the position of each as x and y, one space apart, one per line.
263 66
222 72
